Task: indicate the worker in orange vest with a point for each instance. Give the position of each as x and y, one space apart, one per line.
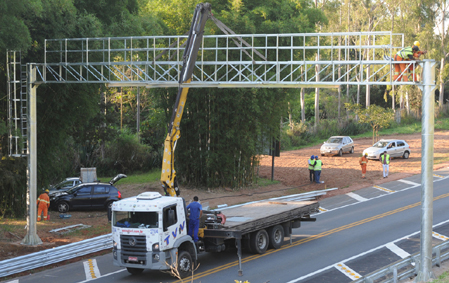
401 70
363 163
43 203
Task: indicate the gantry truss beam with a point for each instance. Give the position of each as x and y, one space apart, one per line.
269 60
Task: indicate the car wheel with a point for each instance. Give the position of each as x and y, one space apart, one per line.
134 271
340 153
352 150
63 207
109 204
185 264
406 155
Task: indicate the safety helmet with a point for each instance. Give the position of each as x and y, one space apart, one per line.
416 43
47 191
312 157
316 156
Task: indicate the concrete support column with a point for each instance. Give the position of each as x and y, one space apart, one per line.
428 109
31 237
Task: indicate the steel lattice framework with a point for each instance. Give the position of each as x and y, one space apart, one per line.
270 60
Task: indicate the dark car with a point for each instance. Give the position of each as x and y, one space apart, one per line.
87 196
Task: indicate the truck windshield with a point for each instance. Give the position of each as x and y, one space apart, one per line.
135 219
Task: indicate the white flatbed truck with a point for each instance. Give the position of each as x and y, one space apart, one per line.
150 231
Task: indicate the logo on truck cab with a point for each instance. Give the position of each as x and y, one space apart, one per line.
175 233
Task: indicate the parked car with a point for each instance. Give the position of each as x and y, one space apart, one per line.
337 145
87 196
395 148
65 185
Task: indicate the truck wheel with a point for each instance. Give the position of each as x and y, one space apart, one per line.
276 235
134 271
185 264
259 242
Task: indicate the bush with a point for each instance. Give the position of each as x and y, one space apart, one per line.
126 154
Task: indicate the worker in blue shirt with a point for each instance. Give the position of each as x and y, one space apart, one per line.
196 211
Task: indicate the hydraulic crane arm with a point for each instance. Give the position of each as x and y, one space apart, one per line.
168 176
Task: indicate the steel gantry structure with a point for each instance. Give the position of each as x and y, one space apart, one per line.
303 60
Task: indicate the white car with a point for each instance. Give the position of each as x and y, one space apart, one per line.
337 145
395 148
66 184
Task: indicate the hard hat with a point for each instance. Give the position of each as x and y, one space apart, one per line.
366 153
416 43
316 156
312 157
47 191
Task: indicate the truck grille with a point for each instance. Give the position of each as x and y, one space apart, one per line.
133 245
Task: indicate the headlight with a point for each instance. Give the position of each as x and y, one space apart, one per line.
155 247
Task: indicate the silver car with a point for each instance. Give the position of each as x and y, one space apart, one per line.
395 148
66 184
337 145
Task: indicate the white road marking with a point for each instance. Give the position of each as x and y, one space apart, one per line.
118 271
359 255
397 250
14 281
91 269
356 197
343 268
408 182
439 236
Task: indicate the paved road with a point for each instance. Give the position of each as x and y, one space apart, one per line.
354 235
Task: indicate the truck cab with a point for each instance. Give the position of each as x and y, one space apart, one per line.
149 231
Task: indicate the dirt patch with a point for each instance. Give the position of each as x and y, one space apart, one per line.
290 169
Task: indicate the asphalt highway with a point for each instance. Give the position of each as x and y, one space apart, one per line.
355 234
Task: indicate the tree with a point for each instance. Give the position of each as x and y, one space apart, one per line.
376 116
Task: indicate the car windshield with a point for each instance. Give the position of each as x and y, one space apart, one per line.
334 140
72 189
381 144
135 219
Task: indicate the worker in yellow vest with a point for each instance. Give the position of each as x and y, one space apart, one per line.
311 171
317 168
385 160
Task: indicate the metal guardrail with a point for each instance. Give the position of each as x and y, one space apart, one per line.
405 268
55 255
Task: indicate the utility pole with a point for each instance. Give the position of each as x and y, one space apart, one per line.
428 113
138 113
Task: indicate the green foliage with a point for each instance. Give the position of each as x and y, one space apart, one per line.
137 178
374 115
124 155
13 187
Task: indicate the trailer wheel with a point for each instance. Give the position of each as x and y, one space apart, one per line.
259 241
276 234
185 264
134 271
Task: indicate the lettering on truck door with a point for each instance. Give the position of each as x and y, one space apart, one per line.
172 227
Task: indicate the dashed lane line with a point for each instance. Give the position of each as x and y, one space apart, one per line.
383 189
409 182
91 269
356 197
343 268
439 236
322 209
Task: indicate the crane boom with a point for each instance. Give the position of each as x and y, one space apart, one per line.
168 176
